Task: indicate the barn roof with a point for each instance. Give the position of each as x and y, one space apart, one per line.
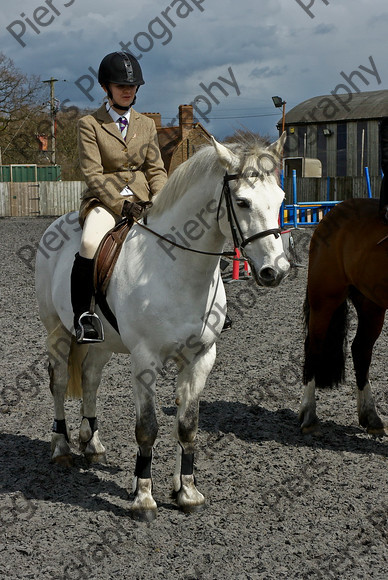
340 107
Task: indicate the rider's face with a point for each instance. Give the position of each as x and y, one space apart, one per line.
122 94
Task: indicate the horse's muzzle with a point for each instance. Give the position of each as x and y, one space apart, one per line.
269 276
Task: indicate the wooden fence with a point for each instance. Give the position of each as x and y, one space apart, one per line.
330 188
44 198
54 198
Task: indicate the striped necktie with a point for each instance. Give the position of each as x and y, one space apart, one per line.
123 124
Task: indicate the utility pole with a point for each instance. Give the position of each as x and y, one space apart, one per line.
53 114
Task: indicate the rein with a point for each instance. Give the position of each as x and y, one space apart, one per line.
183 247
233 222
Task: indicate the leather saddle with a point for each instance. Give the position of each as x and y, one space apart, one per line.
104 263
107 255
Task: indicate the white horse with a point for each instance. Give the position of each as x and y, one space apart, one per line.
169 303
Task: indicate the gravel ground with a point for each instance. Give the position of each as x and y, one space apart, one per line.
279 504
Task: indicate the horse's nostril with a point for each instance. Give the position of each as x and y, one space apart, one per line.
268 274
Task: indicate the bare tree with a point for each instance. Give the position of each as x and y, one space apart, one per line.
21 101
18 93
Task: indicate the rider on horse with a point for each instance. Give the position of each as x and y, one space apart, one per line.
123 169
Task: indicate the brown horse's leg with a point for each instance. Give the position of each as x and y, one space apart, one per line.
324 348
370 324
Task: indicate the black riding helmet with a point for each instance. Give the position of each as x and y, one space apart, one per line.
121 68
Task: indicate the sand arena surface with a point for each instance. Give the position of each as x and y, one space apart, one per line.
279 504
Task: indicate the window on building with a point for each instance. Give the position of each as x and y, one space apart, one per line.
341 149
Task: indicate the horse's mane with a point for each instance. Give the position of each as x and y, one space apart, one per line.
203 163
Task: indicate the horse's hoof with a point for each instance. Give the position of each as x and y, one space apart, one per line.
192 509
63 460
379 432
96 458
143 515
311 429
189 500
143 507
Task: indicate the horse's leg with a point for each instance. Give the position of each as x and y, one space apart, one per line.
324 352
89 440
144 506
370 324
191 381
58 347
308 409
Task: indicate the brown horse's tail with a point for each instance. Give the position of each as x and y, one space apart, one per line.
327 367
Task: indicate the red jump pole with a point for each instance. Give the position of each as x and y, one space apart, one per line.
236 264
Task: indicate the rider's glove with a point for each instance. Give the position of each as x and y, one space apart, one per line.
134 210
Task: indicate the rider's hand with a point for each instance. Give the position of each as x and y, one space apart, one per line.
134 210
131 210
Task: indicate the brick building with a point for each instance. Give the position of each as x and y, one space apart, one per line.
178 143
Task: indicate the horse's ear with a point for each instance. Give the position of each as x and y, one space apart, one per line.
276 148
227 158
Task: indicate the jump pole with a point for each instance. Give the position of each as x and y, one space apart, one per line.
294 197
367 177
236 264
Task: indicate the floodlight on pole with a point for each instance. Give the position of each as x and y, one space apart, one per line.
278 102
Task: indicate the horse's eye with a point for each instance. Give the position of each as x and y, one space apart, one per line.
243 203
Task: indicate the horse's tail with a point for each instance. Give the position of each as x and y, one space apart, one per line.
77 355
327 367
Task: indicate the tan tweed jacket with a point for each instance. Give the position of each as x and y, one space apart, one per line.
109 163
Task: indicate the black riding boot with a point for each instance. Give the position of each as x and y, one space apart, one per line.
87 325
227 323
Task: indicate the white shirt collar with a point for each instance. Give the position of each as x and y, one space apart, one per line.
116 116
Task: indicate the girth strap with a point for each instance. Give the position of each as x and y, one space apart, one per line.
107 312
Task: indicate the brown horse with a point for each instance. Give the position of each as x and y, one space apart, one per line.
348 260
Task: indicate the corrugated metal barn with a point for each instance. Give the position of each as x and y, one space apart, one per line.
341 130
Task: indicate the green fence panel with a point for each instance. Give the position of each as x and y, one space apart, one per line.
26 173
49 173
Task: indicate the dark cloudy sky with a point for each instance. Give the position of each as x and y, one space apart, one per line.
252 49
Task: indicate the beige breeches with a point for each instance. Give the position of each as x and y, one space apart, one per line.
97 223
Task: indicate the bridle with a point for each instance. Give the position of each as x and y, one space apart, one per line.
232 218
233 222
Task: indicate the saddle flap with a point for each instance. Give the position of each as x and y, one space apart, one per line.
107 254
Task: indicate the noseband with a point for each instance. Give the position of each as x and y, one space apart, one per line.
232 218
233 221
